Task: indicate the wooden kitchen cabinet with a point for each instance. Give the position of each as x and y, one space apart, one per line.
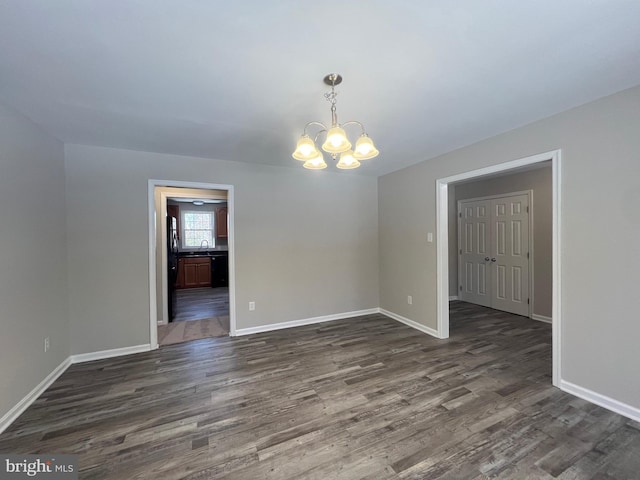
221 223
194 272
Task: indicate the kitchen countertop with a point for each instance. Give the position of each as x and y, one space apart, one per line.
196 254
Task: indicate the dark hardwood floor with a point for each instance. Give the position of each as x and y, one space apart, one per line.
179 332
367 398
199 303
199 313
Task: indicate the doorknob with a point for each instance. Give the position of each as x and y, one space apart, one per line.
486 259
493 259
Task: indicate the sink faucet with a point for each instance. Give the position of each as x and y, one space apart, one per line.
205 241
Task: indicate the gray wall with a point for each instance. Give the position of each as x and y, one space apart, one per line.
539 181
33 257
600 217
305 242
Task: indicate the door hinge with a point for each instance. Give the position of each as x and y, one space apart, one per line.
460 287
460 214
460 251
527 209
528 301
527 254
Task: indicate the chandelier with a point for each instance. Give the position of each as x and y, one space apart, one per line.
336 141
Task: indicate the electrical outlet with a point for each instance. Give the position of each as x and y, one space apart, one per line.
410 300
252 305
46 344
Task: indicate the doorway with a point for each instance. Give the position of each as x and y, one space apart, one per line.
197 267
204 264
442 254
494 254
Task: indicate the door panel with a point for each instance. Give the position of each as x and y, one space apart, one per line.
494 258
510 226
516 238
475 228
516 280
468 238
501 238
500 282
481 238
482 279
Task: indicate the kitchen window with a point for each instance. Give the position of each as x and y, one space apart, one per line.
198 229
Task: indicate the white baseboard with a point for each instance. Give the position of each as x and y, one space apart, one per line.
453 298
305 321
10 417
116 352
609 403
541 318
33 395
411 323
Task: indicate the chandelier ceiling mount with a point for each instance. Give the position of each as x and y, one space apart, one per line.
333 79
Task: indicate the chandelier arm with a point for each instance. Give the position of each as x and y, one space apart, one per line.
314 123
353 122
315 139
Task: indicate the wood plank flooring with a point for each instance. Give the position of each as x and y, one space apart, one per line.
200 313
199 303
179 332
365 398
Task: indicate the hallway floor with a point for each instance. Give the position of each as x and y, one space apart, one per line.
199 303
200 313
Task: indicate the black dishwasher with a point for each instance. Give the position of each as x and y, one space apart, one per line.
220 270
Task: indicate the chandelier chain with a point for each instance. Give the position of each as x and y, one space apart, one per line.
331 97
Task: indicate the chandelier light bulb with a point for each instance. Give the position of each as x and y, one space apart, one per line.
337 141
347 161
365 149
305 149
315 163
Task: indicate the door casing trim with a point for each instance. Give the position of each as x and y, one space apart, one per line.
153 309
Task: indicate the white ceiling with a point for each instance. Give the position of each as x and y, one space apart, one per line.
237 80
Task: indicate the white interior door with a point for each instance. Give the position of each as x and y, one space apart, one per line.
510 254
494 253
475 228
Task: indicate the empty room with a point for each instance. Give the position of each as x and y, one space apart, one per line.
301 240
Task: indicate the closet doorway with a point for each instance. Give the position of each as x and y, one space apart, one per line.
494 251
